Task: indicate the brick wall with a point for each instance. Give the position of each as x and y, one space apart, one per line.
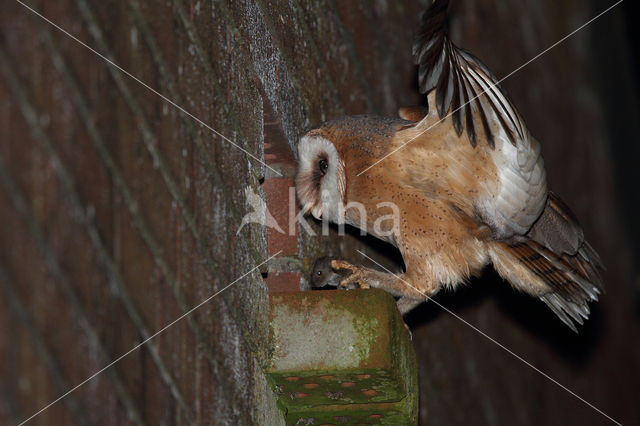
119 213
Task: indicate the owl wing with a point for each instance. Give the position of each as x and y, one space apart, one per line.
555 251
464 86
534 226
461 81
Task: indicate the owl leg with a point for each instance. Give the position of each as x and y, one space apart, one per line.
407 304
366 278
357 275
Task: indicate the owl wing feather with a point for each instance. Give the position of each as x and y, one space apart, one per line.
537 229
572 279
557 253
463 84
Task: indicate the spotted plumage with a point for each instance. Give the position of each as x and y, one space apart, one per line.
467 180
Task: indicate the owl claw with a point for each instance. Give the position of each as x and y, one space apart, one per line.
337 265
355 279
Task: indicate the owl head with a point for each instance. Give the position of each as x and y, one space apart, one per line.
321 180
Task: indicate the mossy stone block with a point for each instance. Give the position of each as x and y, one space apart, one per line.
342 357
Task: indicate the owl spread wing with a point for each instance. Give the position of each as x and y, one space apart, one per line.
529 224
461 86
462 82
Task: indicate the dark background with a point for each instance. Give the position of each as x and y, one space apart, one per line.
586 116
118 213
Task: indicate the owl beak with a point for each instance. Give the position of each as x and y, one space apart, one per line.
316 211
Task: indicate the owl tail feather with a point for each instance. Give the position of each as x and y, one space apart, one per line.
557 253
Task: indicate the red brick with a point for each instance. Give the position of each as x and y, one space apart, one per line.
283 281
277 194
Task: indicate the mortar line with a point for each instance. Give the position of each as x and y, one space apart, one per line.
61 279
136 347
311 110
84 217
138 221
200 52
8 402
280 59
143 124
208 351
231 22
76 408
148 138
169 81
205 63
122 70
209 263
277 43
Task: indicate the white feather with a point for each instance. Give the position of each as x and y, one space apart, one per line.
522 191
331 204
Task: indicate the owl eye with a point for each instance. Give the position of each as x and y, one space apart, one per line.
323 165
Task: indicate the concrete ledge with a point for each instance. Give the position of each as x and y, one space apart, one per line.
342 357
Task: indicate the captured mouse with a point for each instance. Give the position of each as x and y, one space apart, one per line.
324 275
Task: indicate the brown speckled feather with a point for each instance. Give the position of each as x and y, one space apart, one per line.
558 254
465 192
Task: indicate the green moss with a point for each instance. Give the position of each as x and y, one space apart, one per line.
341 353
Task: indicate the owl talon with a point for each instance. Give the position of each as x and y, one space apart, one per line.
354 280
337 265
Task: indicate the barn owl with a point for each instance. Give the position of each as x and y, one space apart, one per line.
468 180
